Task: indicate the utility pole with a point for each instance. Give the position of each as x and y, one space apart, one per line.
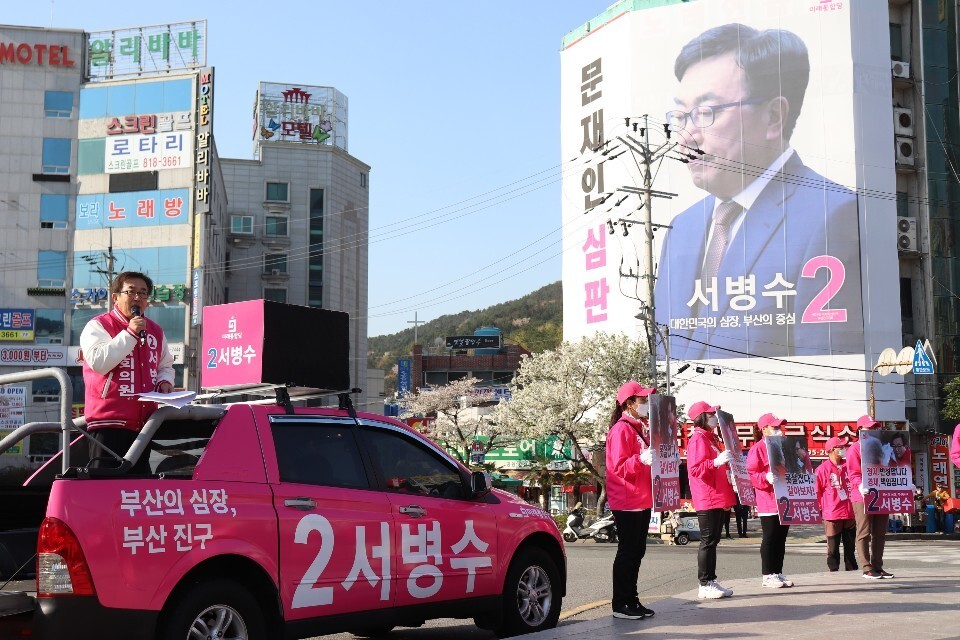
646 156
416 323
110 259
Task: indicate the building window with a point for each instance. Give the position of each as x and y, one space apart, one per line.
276 226
56 155
54 211
51 268
315 260
278 192
58 104
274 263
241 224
363 180
903 205
49 326
45 390
275 295
896 41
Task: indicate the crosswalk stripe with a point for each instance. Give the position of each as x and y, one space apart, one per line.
932 553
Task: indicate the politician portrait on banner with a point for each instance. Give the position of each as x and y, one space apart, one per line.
738 462
767 262
794 484
666 459
887 471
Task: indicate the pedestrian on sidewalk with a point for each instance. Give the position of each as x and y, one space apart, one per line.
938 498
871 528
773 545
707 468
833 496
629 494
742 513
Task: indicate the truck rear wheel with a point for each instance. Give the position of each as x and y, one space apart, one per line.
215 609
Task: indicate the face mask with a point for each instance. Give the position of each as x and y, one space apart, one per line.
843 454
712 422
777 432
643 410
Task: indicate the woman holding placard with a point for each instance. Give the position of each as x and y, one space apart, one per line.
773 546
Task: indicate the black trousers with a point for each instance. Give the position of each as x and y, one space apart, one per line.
849 540
711 524
632 529
742 511
119 440
774 544
726 522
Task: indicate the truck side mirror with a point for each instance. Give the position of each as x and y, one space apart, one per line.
479 483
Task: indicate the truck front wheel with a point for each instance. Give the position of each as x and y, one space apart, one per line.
214 609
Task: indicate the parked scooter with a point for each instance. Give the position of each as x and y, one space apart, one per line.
603 530
575 529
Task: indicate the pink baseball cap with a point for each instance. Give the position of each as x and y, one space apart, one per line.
701 407
867 422
629 389
834 442
770 420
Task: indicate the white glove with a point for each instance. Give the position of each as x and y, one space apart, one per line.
770 477
721 459
647 457
862 489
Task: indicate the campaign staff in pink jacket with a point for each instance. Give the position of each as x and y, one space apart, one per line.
629 494
955 447
833 495
124 355
773 546
707 469
871 528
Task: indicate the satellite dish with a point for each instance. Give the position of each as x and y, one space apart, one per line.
887 361
905 360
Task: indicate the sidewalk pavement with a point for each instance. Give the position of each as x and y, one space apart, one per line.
918 603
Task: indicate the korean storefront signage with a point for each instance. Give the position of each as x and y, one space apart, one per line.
16 324
132 209
162 293
143 51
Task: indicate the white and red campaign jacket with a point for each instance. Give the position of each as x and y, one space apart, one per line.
117 368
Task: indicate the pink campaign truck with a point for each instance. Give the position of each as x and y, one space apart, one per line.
268 521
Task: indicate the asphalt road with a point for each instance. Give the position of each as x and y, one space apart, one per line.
666 571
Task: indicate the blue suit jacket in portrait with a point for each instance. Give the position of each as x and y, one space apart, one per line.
799 215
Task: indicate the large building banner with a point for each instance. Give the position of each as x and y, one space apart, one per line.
771 132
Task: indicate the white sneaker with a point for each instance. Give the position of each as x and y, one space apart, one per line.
787 582
713 591
726 592
771 581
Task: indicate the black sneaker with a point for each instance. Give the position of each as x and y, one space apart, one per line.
873 574
648 613
629 612
885 574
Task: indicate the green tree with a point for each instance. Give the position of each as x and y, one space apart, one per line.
951 403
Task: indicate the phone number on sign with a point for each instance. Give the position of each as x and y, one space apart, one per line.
165 161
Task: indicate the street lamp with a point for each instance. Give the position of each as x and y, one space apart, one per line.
886 363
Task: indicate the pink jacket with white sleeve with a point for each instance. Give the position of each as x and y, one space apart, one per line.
854 472
628 479
955 447
758 465
708 484
833 491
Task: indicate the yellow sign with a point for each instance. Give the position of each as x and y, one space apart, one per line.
17 335
15 450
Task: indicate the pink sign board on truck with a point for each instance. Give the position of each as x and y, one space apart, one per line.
232 344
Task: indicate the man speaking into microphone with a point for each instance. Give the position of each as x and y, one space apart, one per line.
124 354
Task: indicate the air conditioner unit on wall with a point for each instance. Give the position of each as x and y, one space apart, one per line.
907 235
903 121
900 69
906 151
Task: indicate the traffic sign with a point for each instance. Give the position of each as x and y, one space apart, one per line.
922 364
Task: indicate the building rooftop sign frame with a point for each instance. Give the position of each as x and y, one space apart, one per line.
151 50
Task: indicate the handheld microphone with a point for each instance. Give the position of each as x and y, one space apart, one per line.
135 310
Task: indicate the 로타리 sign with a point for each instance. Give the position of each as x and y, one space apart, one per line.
922 364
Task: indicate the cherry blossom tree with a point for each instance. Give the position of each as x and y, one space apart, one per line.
463 414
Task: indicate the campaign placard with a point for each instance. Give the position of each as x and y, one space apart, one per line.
666 460
886 469
793 481
738 463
